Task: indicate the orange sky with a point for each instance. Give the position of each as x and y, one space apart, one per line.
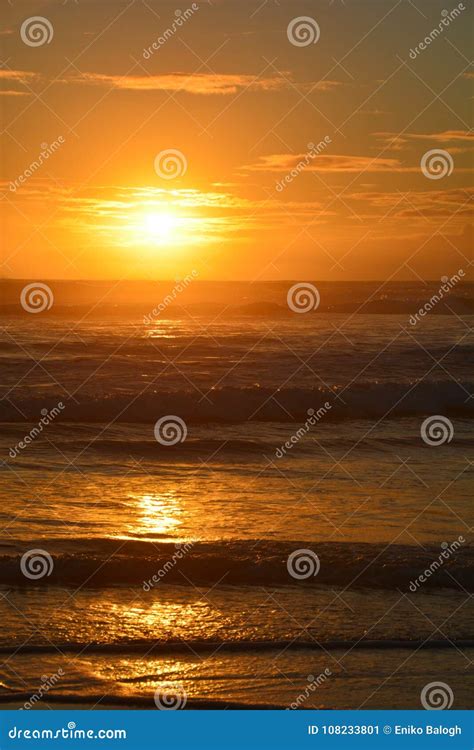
288 160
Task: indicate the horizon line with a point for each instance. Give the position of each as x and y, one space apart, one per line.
229 281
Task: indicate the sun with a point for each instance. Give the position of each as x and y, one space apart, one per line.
157 226
160 226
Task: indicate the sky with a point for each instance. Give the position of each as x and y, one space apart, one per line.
240 139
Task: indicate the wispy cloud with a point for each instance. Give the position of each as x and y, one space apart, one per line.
16 77
397 142
22 76
373 112
418 204
326 163
13 92
121 215
197 83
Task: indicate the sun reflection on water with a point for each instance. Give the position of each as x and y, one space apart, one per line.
158 514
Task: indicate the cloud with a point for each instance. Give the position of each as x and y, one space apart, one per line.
22 76
326 163
196 83
285 163
12 77
119 215
13 92
418 204
321 85
375 112
397 142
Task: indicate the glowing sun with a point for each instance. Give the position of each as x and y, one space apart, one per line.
160 226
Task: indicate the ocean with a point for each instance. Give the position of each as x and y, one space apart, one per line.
220 502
